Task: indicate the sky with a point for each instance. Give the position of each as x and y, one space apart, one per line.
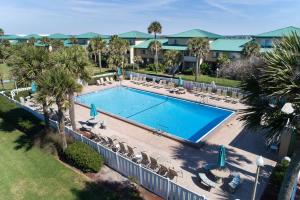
227 17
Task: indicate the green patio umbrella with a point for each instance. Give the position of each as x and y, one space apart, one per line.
93 111
119 71
33 87
222 157
180 82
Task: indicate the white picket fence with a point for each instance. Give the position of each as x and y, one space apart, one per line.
186 84
14 91
155 183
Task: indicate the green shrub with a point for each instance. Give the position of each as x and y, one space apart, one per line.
22 94
160 67
206 69
188 71
92 81
83 157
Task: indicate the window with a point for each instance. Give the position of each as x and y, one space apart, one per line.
268 43
143 51
232 55
175 42
215 54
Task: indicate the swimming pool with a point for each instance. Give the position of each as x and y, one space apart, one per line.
185 120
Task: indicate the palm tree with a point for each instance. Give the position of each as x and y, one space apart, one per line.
137 61
31 41
98 47
251 49
155 47
28 64
172 58
117 52
56 44
74 60
1 31
199 48
46 42
276 82
56 83
155 28
73 40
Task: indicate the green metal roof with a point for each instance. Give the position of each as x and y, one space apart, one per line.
195 33
164 43
280 32
235 45
135 35
90 35
35 36
10 37
59 36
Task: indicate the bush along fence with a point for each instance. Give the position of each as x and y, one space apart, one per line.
186 84
146 178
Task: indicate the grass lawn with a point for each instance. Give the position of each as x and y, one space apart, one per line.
96 70
202 79
5 71
33 174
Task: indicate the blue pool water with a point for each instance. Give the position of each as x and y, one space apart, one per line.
183 119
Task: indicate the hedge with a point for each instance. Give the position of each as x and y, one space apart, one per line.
83 157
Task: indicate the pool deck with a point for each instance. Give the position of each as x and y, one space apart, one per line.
242 146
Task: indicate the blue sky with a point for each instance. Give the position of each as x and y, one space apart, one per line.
116 16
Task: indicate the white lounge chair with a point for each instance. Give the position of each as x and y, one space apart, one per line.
99 82
102 81
111 79
107 80
153 164
145 160
122 148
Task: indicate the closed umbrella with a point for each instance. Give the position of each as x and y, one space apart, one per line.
119 71
93 111
222 157
33 87
180 82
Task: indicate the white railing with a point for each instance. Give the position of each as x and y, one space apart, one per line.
155 183
14 91
104 75
186 84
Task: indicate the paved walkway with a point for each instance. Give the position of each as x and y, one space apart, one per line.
242 147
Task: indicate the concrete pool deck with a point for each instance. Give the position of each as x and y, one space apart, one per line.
242 147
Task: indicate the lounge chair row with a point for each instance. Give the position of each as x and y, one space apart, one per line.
170 86
218 94
142 158
105 80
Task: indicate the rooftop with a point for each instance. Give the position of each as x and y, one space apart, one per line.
235 45
195 33
35 36
10 37
135 35
90 35
280 32
59 36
